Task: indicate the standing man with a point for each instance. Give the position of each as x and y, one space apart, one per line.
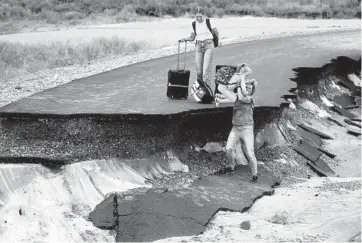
203 33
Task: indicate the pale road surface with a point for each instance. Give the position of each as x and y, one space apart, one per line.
141 87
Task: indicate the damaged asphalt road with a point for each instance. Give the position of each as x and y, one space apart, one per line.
158 214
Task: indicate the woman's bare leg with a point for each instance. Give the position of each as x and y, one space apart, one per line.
228 94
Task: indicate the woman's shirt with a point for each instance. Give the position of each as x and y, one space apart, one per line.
202 32
243 113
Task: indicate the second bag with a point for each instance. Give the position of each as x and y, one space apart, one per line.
201 92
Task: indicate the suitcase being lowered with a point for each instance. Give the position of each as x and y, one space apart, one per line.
178 79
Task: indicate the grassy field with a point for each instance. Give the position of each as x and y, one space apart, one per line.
15 15
17 59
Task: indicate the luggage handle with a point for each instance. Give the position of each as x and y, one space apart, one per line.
178 56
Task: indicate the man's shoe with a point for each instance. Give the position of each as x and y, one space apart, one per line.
254 180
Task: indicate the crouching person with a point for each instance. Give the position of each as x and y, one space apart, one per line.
225 85
243 127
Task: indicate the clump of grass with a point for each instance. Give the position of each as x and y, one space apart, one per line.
18 58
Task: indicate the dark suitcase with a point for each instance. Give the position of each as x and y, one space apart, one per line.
178 79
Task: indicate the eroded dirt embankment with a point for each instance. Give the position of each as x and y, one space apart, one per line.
137 149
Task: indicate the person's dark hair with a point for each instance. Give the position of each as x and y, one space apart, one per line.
253 90
199 10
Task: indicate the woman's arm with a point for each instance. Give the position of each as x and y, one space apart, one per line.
246 99
232 97
239 93
216 31
239 80
242 97
191 38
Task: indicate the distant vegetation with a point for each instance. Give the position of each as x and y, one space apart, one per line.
74 11
17 59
